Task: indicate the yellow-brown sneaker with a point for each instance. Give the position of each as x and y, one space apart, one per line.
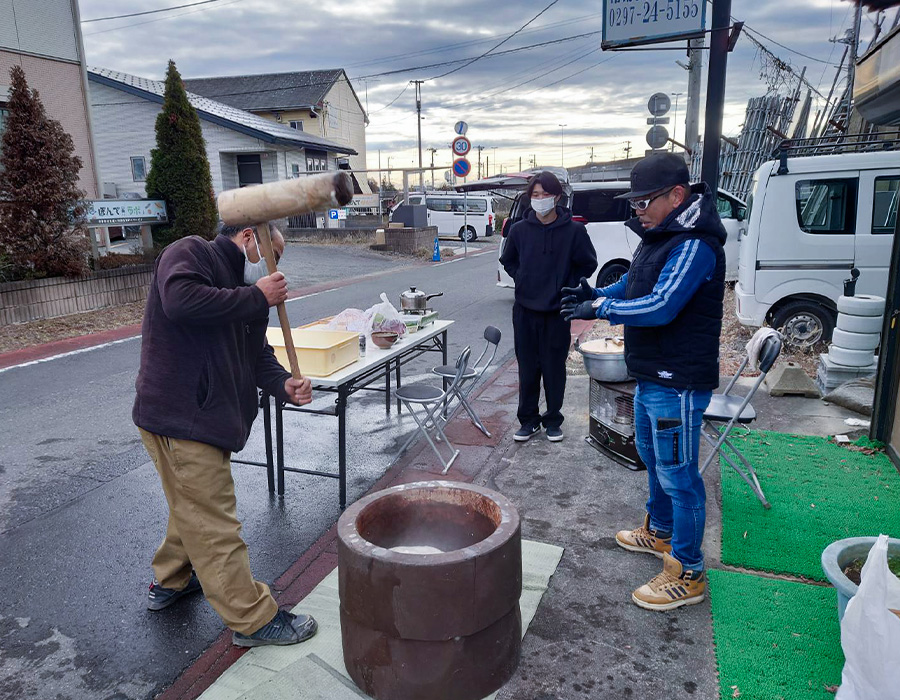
672 588
644 539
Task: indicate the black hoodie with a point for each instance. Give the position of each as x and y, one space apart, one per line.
543 258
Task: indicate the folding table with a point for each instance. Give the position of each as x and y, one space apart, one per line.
377 364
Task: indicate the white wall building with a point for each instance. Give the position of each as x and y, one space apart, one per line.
322 103
243 149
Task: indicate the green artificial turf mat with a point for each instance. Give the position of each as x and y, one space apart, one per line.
775 640
819 492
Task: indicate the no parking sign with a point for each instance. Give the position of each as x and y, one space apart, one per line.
461 167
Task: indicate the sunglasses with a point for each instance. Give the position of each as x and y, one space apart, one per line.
642 204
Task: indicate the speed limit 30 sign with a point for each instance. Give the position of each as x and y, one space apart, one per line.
461 146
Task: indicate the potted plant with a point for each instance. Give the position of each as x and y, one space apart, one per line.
849 554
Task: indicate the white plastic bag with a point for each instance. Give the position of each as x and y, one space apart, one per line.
349 320
385 317
870 633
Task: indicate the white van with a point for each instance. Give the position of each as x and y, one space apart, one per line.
447 211
604 217
812 219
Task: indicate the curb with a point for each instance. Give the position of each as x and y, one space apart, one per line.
82 342
313 566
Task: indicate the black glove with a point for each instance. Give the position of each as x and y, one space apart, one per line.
585 310
572 295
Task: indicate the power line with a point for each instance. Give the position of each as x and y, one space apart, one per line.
162 19
497 46
148 12
473 42
786 48
381 109
405 70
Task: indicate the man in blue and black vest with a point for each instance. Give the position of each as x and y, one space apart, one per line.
670 302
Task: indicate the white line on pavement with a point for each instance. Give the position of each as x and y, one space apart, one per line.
68 354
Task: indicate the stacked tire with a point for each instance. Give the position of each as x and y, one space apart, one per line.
858 330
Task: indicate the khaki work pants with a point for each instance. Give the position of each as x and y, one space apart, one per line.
204 532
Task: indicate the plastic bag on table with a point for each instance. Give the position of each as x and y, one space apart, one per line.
870 632
385 317
349 320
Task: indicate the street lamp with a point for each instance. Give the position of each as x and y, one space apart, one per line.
562 145
676 95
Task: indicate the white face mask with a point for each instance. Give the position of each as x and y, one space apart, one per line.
254 271
544 205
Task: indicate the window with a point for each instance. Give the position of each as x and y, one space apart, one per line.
316 161
4 114
600 205
295 170
478 206
725 207
884 208
439 204
827 206
298 125
138 168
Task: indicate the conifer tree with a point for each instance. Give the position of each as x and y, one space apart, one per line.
42 231
179 168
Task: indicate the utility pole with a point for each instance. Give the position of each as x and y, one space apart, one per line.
418 84
480 149
592 154
719 41
562 145
380 189
851 67
627 149
487 166
676 95
520 163
695 75
433 151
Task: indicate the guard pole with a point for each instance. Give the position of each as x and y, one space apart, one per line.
715 92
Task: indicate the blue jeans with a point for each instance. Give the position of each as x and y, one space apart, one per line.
667 434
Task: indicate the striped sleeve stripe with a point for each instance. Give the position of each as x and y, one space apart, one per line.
657 300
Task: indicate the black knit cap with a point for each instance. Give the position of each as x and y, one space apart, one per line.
657 172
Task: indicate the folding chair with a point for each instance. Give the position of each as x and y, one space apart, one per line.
727 409
471 377
430 398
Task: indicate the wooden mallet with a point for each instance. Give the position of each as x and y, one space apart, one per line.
257 205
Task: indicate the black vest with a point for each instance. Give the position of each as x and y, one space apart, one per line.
685 353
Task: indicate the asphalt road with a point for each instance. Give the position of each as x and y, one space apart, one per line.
81 509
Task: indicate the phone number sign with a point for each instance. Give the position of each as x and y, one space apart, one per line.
636 22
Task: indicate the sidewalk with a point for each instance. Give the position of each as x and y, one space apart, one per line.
588 639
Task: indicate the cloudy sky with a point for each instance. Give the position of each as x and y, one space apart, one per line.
513 103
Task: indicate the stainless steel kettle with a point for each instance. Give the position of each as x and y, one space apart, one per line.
416 300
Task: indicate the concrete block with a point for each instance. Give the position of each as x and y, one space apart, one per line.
789 379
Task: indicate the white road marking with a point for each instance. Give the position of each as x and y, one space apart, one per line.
68 354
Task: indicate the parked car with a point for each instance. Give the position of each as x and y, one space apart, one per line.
448 211
812 219
594 205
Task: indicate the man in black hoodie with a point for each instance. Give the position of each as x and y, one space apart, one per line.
671 304
544 252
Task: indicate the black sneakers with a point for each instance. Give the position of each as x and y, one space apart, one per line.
285 628
554 434
159 597
525 432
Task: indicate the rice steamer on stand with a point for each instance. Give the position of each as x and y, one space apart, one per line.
611 423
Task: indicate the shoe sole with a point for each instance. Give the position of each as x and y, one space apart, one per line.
555 438
524 438
309 634
662 607
641 550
